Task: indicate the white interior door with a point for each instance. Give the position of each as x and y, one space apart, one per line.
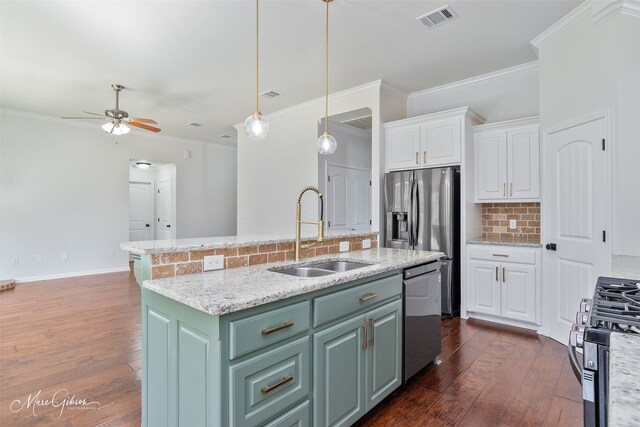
140 211
164 204
575 219
348 198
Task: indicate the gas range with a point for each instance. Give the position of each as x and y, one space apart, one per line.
615 307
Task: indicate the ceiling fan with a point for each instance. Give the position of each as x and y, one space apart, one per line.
119 119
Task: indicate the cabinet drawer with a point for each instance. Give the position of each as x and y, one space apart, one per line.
260 330
503 253
266 385
339 304
296 417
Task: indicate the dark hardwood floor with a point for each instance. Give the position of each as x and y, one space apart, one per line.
83 335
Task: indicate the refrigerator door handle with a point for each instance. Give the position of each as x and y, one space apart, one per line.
415 209
410 218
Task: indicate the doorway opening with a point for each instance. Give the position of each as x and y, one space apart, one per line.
345 176
152 200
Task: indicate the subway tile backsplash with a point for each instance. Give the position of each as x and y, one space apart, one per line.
496 217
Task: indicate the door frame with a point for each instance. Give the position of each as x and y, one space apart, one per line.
545 213
328 163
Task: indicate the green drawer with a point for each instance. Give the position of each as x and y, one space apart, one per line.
260 330
339 304
296 417
266 385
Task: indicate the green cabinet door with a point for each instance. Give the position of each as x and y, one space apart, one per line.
338 373
384 352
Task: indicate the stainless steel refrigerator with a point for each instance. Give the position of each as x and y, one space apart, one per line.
423 213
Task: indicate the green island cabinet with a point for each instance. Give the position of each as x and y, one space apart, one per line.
320 359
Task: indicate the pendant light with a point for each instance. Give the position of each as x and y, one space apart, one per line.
327 144
256 125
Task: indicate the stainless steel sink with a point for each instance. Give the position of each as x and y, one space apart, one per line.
321 268
340 266
304 272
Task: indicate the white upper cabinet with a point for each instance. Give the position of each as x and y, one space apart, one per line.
428 141
507 161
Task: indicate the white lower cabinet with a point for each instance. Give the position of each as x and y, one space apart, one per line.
504 282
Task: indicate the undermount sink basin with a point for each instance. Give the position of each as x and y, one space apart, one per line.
321 268
340 266
304 272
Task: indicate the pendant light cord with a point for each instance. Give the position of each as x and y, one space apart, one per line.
257 53
326 92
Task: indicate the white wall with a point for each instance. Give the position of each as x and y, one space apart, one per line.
272 172
506 94
587 69
64 188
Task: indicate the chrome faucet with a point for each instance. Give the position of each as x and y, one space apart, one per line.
299 222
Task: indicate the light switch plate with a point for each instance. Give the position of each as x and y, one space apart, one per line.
366 244
37 258
214 262
512 224
344 246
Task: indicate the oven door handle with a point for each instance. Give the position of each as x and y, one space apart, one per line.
575 365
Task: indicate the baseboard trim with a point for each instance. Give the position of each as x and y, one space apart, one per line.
502 320
73 274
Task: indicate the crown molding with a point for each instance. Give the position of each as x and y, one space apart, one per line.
526 121
562 25
473 80
476 118
385 87
624 7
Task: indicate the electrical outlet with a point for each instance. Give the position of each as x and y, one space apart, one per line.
366 244
344 246
37 258
64 256
512 224
113 253
214 262
15 260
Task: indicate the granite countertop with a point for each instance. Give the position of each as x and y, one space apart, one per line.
505 241
226 291
203 243
626 267
624 387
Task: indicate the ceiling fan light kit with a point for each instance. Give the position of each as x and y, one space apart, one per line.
256 125
143 165
327 144
116 128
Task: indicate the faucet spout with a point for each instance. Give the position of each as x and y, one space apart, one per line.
299 222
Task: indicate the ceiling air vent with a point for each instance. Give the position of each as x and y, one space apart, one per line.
269 94
194 124
225 136
437 17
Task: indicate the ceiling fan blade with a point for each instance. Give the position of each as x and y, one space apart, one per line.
141 126
83 118
95 114
140 120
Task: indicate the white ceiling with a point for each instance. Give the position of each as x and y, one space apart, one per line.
186 61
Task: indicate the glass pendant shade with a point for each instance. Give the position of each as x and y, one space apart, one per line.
256 126
327 144
119 129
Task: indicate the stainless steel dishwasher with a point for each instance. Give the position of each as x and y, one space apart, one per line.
422 310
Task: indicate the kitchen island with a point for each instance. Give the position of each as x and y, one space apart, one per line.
253 346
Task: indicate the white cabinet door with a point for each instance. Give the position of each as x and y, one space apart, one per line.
519 292
491 165
484 287
440 143
403 147
523 148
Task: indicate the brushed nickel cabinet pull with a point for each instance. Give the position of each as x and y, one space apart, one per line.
503 255
364 334
417 158
503 277
424 157
365 298
269 388
372 326
510 189
496 274
504 189
269 331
